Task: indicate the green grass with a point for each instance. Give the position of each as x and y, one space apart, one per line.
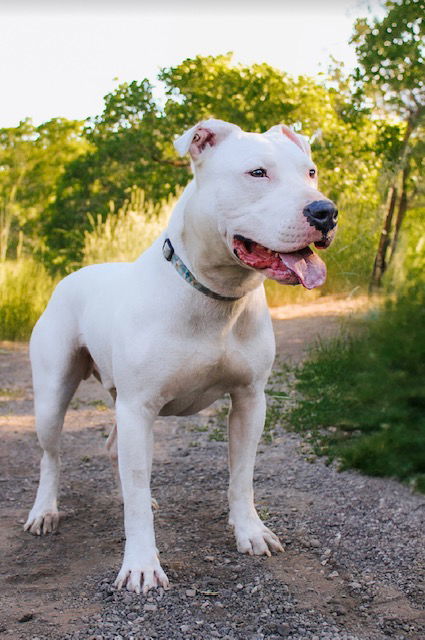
25 288
362 395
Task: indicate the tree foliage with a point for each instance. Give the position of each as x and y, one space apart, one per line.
390 76
32 159
131 141
391 55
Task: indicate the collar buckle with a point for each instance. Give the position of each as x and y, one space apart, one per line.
167 250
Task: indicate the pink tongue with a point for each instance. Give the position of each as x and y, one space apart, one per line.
310 269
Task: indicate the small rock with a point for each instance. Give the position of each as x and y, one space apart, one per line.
283 629
191 593
150 607
209 558
26 617
333 575
184 628
314 543
354 585
339 610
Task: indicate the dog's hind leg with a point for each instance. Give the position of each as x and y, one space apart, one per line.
57 368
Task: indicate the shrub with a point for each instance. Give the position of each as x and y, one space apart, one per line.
362 394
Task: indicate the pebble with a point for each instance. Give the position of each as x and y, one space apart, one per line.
191 593
150 607
283 629
355 585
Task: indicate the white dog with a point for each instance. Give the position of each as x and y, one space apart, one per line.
185 323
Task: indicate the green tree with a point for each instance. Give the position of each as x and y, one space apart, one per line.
390 77
32 158
132 139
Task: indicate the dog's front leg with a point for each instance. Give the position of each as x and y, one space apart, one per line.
140 567
246 423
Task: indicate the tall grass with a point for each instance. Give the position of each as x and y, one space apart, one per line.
26 285
25 288
122 236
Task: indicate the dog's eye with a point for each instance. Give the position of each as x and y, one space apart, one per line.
312 173
258 173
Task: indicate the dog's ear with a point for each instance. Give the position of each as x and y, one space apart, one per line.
202 136
301 141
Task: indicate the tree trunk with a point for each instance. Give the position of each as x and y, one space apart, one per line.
380 263
5 224
402 208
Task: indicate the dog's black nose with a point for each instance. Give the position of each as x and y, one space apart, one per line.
321 214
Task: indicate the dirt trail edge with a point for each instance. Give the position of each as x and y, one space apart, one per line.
353 568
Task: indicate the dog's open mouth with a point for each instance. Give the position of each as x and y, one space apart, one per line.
298 267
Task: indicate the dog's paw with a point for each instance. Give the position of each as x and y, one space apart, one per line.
254 538
141 576
42 523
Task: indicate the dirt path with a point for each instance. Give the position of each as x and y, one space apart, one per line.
354 562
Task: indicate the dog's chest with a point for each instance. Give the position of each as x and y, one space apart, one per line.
204 377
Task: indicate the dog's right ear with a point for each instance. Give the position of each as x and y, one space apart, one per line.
204 135
301 141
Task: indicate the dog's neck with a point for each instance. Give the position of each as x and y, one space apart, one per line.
200 245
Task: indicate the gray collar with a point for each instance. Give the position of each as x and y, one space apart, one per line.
171 256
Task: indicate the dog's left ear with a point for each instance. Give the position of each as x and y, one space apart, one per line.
202 136
301 141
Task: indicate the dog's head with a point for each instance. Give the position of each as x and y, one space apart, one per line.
261 192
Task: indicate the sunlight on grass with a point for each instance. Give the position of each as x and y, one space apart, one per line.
124 235
25 288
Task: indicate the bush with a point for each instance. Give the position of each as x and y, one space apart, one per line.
362 395
25 288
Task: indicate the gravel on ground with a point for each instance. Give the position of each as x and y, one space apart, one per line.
353 566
